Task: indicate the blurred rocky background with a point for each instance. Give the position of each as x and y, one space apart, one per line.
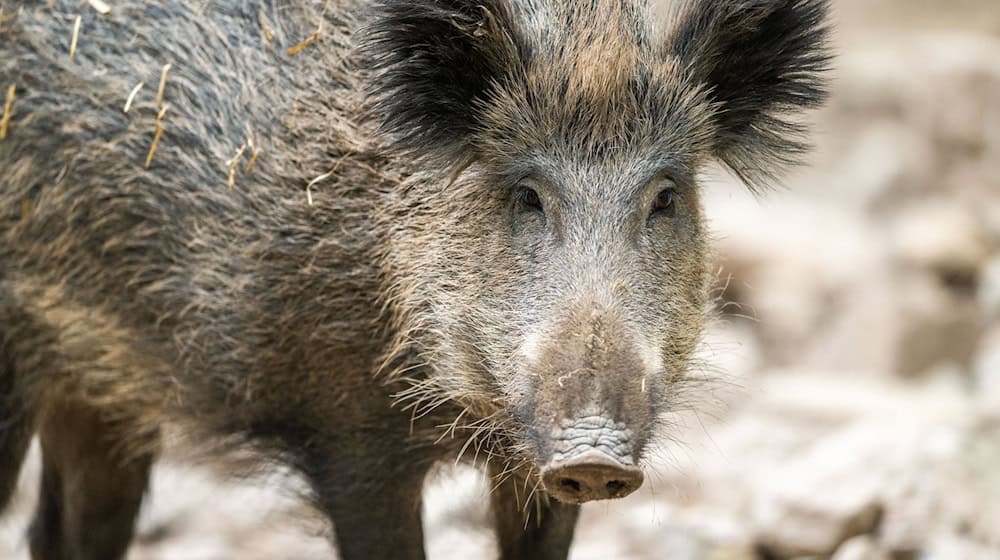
852 408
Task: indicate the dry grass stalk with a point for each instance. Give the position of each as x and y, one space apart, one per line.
312 38
265 29
163 85
323 177
234 165
131 96
156 136
155 144
268 34
25 209
76 36
7 107
254 152
305 43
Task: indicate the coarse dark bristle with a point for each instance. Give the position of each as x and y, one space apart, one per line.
764 61
431 61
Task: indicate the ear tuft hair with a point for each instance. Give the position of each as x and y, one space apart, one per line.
433 63
763 62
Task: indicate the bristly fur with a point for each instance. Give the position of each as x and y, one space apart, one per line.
441 68
763 61
371 296
432 63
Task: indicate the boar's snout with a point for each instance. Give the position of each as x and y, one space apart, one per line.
590 476
590 409
592 460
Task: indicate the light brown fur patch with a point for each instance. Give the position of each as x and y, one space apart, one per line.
97 360
603 57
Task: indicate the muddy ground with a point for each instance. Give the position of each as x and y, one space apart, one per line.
855 411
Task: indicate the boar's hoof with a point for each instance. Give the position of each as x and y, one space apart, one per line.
590 476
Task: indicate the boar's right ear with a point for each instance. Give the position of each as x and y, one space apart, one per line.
433 63
761 62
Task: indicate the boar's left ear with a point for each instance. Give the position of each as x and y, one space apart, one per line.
762 62
433 62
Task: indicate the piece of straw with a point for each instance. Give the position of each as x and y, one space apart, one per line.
163 85
315 35
154 145
7 107
76 36
264 28
254 152
234 165
323 177
131 96
156 136
305 43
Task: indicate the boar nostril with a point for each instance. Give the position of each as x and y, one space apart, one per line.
590 476
615 487
569 484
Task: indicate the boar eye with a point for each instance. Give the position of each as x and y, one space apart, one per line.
664 205
528 199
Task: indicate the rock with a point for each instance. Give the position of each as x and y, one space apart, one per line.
827 496
861 548
658 528
945 117
987 369
974 487
860 332
989 287
788 279
916 505
935 326
881 467
942 236
950 547
793 527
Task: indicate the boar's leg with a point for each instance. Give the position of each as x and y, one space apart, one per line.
16 412
15 435
15 425
531 531
92 486
371 490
